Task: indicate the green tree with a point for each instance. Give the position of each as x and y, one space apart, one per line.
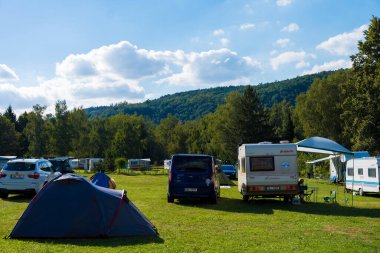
8 137
242 119
35 131
164 134
61 131
281 121
79 133
362 94
9 114
318 111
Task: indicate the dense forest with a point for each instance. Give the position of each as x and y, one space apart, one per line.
192 105
343 106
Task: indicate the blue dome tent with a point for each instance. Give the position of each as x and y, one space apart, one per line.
70 206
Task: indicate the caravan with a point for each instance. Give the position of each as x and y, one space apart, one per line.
268 170
362 175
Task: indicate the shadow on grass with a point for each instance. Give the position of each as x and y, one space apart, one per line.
101 242
267 206
18 198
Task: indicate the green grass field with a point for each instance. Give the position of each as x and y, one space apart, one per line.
230 226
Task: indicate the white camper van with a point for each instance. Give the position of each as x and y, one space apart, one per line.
268 170
362 175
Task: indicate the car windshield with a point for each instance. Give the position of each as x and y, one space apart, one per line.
59 164
192 163
19 166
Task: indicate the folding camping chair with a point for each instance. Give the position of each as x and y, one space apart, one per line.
331 198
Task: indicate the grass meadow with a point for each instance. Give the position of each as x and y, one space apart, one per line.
232 225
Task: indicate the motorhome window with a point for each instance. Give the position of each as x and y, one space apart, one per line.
371 172
262 163
192 163
360 172
350 172
242 165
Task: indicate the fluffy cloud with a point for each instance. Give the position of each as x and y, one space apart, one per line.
282 42
283 2
299 58
21 98
292 27
122 71
214 67
7 74
247 26
332 65
218 32
224 41
343 44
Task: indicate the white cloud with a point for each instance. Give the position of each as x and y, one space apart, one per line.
224 41
7 74
299 58
283 2
218 32
247 26
343 44
332 65
124 72
292 27
214 67
249 9
282 42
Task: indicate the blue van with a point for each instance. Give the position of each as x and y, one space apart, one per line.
193 176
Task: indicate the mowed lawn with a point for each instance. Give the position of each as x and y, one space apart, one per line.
230 226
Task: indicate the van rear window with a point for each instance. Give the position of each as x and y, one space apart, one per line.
261 163
19 166
191 163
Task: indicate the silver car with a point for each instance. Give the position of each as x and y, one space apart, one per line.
25 176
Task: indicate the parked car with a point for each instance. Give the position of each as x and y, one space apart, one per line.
25 176
193 176
229 170
62 164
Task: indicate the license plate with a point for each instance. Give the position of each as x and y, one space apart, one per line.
191 189
17 176
273 188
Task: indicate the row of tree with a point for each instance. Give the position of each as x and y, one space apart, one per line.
344 107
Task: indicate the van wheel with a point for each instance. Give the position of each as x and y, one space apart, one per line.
361 193
246 198
170 199
213 199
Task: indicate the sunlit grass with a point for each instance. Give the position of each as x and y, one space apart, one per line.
230 226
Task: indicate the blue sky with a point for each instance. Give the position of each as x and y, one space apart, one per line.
100 52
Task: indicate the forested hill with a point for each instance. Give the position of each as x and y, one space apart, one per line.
194 104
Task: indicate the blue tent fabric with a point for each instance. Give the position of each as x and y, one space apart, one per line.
101 179
322 144
70 206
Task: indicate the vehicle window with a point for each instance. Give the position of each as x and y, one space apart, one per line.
262 163
371 172
242 164
360 171
350 172
192 163
45 167
19 166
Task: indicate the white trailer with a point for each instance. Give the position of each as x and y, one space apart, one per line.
362 175
268 170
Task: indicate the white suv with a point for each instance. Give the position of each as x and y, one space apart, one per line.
25 176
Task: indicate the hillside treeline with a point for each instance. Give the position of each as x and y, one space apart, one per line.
192 105
344 106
